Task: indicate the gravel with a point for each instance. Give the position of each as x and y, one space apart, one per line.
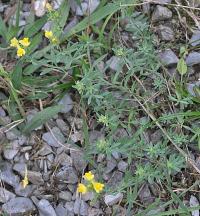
45 208
84 208
161 13
114 63
55 139
18 206
122 166
6 195
168 58
67 175
193 58
194 203
165 33
113 199
78 160
66 104
195 39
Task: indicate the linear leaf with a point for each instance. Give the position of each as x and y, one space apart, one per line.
41 118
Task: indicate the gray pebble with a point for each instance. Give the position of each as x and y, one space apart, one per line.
165 33
66 104
193 58
65 195
168 58
46 208
122 166
84 208
195 39
113 199
161 13
6 195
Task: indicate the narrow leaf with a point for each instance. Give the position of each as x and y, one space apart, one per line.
41 118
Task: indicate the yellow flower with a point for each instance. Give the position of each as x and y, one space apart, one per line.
98 187
88 176
54 40
48 7
25 180
82 188
20 52
25 42
48 34
14 42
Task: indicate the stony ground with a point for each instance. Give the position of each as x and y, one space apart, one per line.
55 166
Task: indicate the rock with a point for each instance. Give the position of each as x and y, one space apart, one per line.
94 212
61 210
191 88
164 1
111 164
195 39
2 112
3 96
114 63
194 203
66 103
100 158
63 159
47 26
161 13
156 136
7 176
5 195
146 8
10 150
115 180
84 208
145 195
122 166
113 199
46 208
69 206
168 58
65 195
193 58
18 206
165 33
77 205
24 192
88 196
57 4
55 139
81 10
45 150
62 126
116 155
22 140
68 175
33 176
12 134
39 7
95 135
70 25
78 160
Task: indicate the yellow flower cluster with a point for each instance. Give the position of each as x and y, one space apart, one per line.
20 45
91 183
50 36
48 7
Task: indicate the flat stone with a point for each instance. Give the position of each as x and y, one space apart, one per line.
63 159
193 58
122 166
6 195
161 13
61 210
165 33
115 179
46 208
77 205
168 58
194 203
94 212
191 88
54 140
67 175
78 160
45 150
33 176
39 7
113 199
114 63
66 103
18 206
65 195
24 192
145 195
70 206
195 39
62 126
111 164
84 208
10 150
2 112
7 176
12 135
